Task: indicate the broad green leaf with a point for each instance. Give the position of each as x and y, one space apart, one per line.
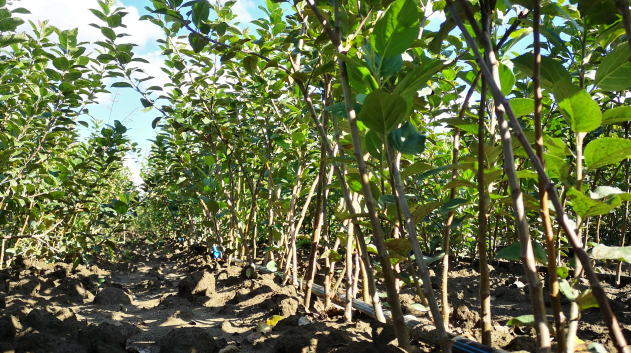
197 42
397 29
61 63
401 247
122 85
414 169
120 207
417 79
459 183
108 33
507 79
616 115
566 289
524 320
586 300
424 210
586 207
419 307
453 204
580 111
209 161
272 266
10 24
563 271
605 151
551 70
407 140
556 167
614 72
597 12
361 79
200 13
556 147
620 253
522 106
382 111
332 255
250 64
374 145
12 39
513 252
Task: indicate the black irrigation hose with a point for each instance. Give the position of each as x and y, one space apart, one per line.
460 344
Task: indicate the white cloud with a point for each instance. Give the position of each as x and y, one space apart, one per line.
69 14
240 8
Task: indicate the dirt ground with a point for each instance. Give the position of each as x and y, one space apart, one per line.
177 299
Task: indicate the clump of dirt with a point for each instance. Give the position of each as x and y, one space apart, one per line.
112 296
188 339
199 283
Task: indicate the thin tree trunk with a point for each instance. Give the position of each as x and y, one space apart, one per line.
394 162
555 299
625 218
485 292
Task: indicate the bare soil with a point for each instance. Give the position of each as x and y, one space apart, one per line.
177 299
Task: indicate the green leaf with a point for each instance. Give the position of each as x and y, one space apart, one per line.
382 111
524 320
407 140
272 266
614 72
361 79
586 300
586 207
513 252
122 85
397 29
419 307
250 64
605 151
332 255
209 161
61 63
12 39
563 271
120 207
459 183
603 252
424 210
197 42
401 247
551 70
507 79
595 347
108 33
414 169
616 115
567 290
556 167
374 145
10 24
580 111
522 106
557 147
453 204
597 12
417 79
200 13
